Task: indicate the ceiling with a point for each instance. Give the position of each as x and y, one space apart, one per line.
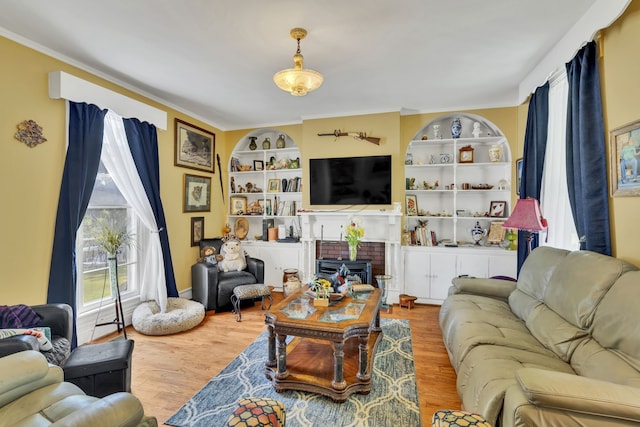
214 59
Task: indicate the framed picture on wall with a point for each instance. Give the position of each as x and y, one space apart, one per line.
197 230
518 174
197 193
194 147
624 157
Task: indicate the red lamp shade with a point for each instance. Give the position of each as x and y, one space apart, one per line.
526 216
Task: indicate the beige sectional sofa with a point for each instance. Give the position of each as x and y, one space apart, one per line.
559 347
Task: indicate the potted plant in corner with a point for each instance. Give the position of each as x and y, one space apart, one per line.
112 239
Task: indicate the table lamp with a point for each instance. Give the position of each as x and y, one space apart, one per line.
526 216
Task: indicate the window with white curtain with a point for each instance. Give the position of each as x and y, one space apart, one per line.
554 194
107 205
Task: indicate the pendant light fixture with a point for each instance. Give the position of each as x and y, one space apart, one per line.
297 80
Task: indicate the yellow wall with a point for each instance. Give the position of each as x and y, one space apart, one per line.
31 176
620 75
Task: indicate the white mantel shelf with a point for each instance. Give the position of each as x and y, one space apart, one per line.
379 226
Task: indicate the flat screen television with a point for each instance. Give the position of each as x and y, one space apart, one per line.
350 181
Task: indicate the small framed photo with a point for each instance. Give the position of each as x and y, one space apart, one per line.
197 193
194 147
496 233
238 205
267 209
197 230
625 156
518 174
498 209
258 165
411 205
274 185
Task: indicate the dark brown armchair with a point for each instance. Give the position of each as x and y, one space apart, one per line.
59 318
213 288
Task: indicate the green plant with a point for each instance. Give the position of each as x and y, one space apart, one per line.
112 238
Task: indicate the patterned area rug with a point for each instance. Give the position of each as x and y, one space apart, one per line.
393 399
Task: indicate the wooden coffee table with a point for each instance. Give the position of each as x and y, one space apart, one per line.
333 348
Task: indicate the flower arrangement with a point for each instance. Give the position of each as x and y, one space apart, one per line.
355 233
322 287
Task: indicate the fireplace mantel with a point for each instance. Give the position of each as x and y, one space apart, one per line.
379 225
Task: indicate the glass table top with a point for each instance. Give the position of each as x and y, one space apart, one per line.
302 308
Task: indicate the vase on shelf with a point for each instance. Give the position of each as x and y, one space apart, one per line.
495 153
280 143
252 144
456 128
266 144
353 251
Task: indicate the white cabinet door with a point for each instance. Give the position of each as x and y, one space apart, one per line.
472 265
443 269
277 257
417 273
504 265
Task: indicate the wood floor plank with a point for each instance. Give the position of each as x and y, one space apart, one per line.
169 370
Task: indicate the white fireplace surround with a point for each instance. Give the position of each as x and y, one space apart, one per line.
379 226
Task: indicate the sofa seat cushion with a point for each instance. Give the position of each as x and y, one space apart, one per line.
489 370
468 321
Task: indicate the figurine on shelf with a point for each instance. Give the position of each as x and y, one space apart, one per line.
476 130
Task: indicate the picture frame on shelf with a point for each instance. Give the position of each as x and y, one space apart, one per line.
196 193
274 185
519 164
498 209
624 152
268 208
411 205
238 205
197 230
258 165
194 147
496 233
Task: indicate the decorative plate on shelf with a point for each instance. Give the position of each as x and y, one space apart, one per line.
241 228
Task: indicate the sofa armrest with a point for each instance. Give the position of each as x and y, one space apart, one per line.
58 317
18 343
566 392
118 409
494 288
255 266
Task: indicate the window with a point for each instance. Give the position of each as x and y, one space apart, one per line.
107 206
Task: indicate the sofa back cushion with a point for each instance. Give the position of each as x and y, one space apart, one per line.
614 352
533 279
578 284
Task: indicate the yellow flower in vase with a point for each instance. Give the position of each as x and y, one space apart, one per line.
353 236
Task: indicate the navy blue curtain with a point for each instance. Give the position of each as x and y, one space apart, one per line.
586 152
86 126
143 143
535 144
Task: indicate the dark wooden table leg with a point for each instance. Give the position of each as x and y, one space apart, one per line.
338 382
282 357
271 356
363 347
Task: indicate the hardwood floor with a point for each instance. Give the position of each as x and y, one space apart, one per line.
169 370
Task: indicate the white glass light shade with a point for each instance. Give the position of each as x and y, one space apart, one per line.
298 81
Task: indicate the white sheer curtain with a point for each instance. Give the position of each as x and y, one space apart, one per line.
554 195
117 159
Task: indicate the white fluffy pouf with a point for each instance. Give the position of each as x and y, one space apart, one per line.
181 315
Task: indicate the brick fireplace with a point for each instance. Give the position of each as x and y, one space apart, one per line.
381 243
